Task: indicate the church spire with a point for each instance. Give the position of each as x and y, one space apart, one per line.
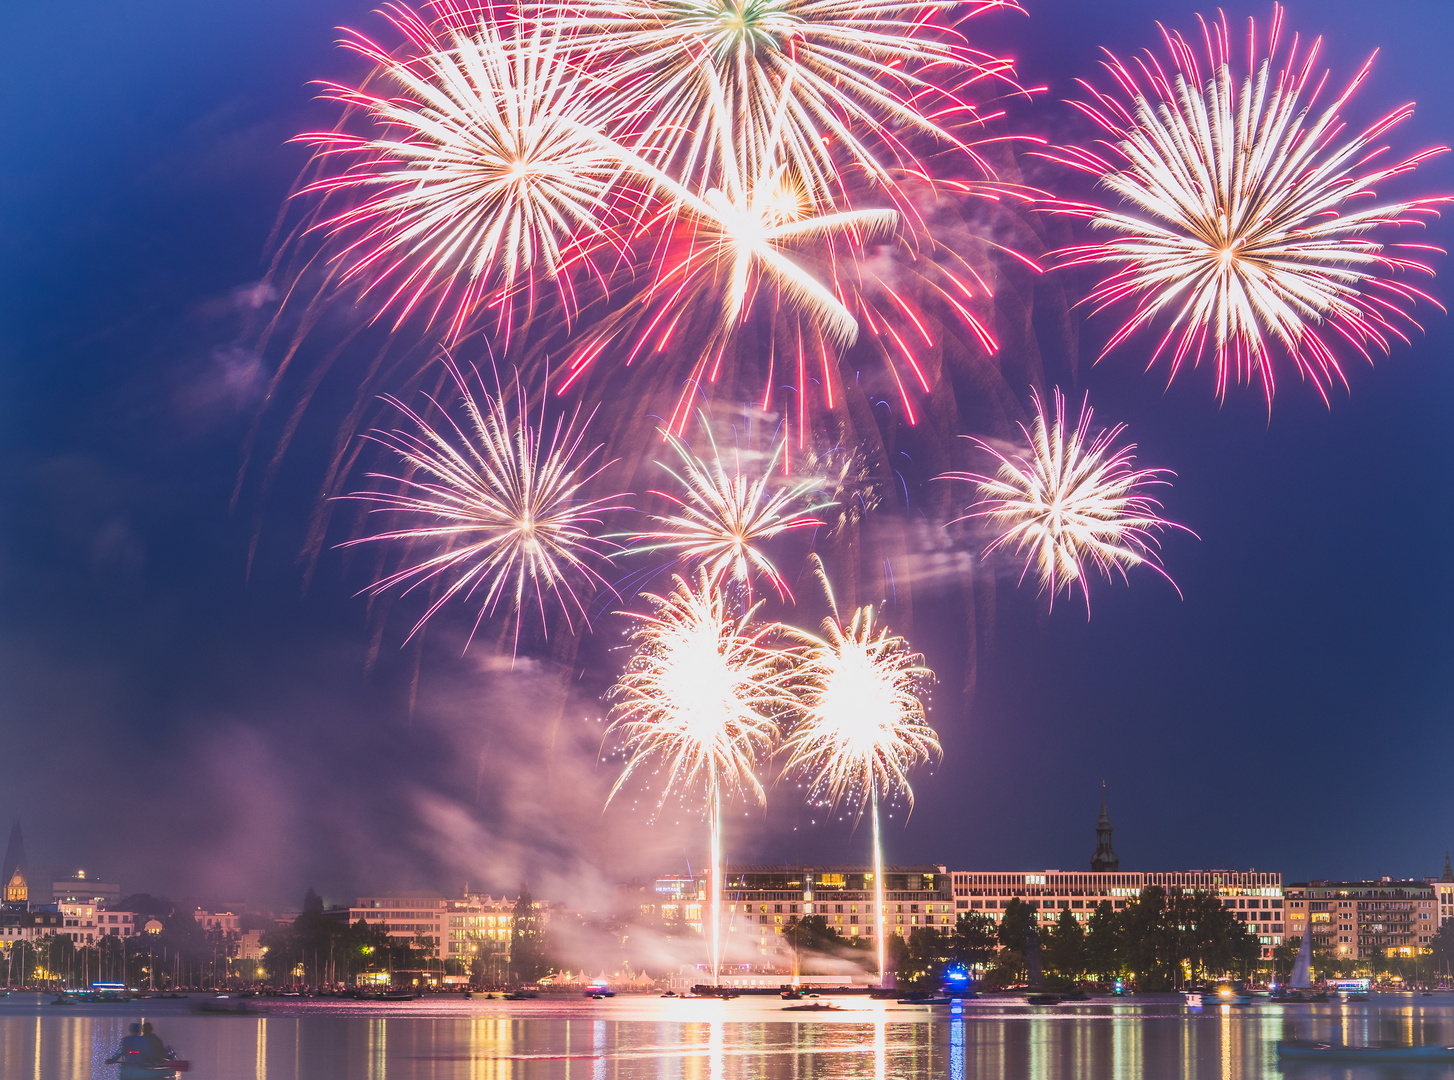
1105 857
15 872
1448 870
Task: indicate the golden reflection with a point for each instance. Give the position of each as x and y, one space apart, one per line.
1226 1011
37 1047
714 1049
262 1050
880 1047
378 1047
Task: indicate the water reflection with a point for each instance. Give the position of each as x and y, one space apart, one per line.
650 1039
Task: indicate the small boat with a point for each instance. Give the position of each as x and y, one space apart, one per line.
225 1005
1322 1051
817 1006
1044 999
1192 1000
669 993
792 995
518 995
132 1066
391 995
925 1000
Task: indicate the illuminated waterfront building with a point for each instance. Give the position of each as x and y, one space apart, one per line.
760 902
1253 897
452 928
1364 919
670 899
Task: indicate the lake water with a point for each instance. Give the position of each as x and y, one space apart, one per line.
649 1038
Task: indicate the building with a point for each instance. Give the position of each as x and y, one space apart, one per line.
116 923
225 921
454 928
250 945
1444 893
1254 897
1365 919
759 902
667 900
80 887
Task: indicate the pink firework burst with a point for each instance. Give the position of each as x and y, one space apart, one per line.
1074 501
1243 216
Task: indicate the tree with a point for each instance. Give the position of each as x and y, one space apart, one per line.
1103 942
896 953
924 967
528 961
974 939
1065 947
1014 927
312 902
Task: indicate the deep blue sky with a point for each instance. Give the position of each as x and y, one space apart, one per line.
168 721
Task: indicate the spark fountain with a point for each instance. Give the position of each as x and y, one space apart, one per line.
861 725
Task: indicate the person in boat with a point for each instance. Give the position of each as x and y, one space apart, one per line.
135 1043
156 1050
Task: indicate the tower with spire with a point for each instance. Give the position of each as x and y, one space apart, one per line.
1105 857
15 872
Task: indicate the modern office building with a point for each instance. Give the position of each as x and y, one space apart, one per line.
1364 919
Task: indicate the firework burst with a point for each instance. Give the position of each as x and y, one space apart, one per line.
494 508
482 175
861 724
1247 212
1075 501
814 75
698 701
722 516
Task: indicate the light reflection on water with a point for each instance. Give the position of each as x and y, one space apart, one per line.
652 1039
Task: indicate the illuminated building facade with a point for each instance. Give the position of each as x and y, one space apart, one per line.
670 899
453 928
1364 919
760 902
1444 893
1253 897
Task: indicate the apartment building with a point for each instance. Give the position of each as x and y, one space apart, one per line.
1365 919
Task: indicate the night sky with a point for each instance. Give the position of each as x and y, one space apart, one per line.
168 720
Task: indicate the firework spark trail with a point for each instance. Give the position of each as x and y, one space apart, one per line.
1074 500
861 724
723 516
1247 211
740 232
480 179
498 506
699 700
814 75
